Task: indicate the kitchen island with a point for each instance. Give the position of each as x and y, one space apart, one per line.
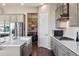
64 47
21 46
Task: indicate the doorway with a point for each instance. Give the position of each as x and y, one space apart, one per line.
32 25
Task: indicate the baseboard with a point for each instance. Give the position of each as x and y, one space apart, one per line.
44 47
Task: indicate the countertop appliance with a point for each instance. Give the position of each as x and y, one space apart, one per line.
58 33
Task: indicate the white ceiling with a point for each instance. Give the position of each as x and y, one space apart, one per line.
19 5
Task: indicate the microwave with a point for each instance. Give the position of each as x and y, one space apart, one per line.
58 32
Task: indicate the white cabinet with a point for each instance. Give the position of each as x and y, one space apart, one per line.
12 17
56 50
54 46
59 49
73 14
20 18
61 52
27 49
16 18
24 49
9 51
4 18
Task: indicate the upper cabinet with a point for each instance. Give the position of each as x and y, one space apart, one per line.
20 18
74 15
11 18
4 19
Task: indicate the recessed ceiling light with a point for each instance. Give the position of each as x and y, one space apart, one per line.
22 4
3 4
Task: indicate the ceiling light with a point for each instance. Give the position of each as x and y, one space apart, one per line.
22 4
3 4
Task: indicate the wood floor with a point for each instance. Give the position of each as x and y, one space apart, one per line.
34 49
40 51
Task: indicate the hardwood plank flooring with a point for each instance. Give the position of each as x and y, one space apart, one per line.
40 51
34 49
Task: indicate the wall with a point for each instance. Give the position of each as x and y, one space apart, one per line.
52 23
43 40
19 10
71 31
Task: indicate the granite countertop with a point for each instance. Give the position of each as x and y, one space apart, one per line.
70 44
16 42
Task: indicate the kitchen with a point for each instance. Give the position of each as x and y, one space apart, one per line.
62 28
50 19
66 39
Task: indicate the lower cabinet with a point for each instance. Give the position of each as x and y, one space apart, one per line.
60 50
54 47
26 49
61 53
65 52
56 50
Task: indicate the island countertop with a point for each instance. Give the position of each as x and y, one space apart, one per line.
14 47
16 42
71 45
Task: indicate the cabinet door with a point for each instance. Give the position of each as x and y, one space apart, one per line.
29 47
61 52
24 50
13 18
71 53
73 14
20 18
56 50
4 18
52 43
